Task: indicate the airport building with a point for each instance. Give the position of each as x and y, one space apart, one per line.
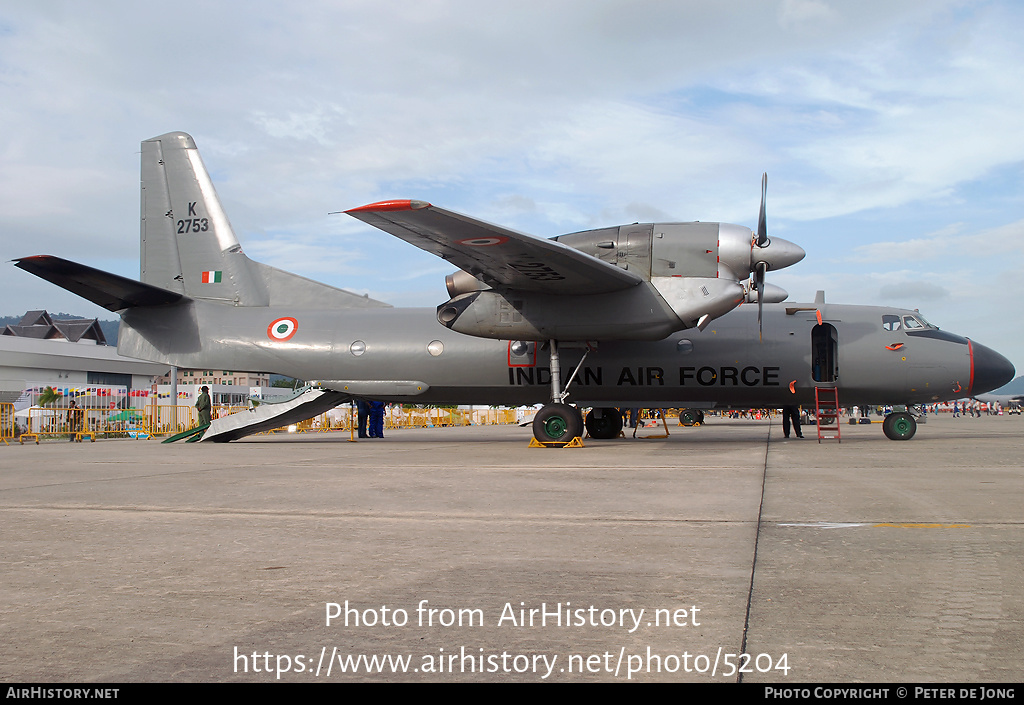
41 326
228 378
73 358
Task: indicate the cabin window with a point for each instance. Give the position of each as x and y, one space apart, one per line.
890 322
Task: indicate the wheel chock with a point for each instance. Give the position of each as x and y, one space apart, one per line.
576 442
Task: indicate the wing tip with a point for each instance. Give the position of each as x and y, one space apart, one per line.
396 205
30 258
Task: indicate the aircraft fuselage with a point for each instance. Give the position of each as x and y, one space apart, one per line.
724 365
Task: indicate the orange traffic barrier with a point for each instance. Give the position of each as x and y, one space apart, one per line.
6 422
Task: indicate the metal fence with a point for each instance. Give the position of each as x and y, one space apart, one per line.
344 419
151 421
75 424
6 423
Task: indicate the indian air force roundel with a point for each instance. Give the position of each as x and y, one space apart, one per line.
282 329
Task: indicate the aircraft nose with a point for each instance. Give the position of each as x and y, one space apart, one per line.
991 370
778 253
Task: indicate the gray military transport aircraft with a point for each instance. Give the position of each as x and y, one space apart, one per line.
644 314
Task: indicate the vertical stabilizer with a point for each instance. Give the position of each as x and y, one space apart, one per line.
188 245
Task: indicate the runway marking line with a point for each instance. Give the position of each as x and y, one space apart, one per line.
890 525
908 525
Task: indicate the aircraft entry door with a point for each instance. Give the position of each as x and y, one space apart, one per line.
825 353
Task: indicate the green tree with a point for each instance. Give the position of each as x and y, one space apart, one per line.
49 396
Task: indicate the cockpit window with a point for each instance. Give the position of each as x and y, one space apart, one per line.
890 322
912 323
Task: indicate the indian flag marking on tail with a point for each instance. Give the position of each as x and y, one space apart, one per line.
211 277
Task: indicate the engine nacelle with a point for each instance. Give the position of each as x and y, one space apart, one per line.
772 294
691 272
637 313
715 250
461 282
699 300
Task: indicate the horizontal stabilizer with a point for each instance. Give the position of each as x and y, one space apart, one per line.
111 291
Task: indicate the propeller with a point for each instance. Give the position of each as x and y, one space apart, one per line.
761 267
764 254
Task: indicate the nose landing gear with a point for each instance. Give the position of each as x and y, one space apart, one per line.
899 426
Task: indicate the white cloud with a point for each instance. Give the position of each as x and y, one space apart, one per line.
949 243
543 117
803 13
915 291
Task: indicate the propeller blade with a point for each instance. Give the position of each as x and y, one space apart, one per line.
762 268
762 221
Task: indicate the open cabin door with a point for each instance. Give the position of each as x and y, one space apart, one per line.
825 353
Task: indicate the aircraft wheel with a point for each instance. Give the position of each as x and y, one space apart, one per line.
604 423
557 423
899 426
690 417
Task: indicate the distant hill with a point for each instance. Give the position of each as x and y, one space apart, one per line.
109 328
1014 387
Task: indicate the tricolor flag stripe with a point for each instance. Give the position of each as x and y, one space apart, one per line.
211 277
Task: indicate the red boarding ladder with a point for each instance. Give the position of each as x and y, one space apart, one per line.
826 411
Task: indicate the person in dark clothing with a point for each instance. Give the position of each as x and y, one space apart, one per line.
74 420
203 406
362 413
376 419
791 414
634 416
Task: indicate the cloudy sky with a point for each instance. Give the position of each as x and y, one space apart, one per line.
891 132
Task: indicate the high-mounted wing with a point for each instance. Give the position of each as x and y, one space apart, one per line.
501 258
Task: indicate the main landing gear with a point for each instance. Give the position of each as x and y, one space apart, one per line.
557 422
604 423
899 426
691 417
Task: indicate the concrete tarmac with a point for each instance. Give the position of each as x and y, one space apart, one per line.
464 555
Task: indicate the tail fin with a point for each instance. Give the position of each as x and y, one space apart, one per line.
189 247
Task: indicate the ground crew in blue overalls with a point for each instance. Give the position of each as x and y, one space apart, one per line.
376 419
362 414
